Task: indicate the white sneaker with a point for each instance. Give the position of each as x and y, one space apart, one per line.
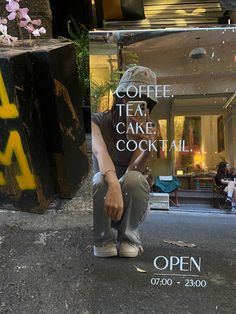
108 250
129 249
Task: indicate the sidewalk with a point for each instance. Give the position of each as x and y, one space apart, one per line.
46 260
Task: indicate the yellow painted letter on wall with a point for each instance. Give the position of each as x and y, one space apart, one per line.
26 180
7 110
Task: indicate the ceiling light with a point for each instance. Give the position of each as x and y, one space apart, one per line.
197 52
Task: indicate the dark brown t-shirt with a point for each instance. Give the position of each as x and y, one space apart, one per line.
120 158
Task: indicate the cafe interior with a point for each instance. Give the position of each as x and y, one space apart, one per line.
199 65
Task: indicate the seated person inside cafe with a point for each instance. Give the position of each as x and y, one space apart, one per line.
225 180
121 192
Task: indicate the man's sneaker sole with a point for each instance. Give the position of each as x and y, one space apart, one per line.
127 250
128 254
103 251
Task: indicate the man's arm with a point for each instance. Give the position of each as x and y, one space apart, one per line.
138 160
99 148
114 199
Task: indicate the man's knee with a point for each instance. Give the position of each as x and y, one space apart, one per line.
135 181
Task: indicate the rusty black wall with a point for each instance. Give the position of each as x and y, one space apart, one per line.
42 139
56 82
26 176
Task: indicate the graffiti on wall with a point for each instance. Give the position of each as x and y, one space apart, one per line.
7 110
14 147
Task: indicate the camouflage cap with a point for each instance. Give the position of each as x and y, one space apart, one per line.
138 79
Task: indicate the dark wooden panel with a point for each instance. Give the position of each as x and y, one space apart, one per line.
58 90
25 178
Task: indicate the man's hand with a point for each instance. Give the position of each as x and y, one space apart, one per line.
114 204
144 136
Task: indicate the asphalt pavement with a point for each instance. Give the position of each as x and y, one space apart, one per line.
137 286
47 265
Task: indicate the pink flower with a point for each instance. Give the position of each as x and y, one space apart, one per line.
8 40
23 13
39 31
23 20
5 38
12 7
36 22
3 29
30 28
3 21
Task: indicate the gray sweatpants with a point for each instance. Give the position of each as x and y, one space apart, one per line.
135 190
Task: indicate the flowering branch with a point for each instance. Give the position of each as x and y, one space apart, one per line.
23 21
